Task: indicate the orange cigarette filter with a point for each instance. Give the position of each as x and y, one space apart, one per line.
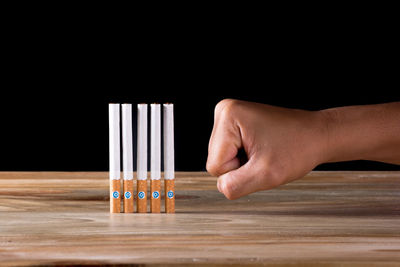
115 196
170 196
128 196
141 196
155 189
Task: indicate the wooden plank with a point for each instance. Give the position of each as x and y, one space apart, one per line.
326 218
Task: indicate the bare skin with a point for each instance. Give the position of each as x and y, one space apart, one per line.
282 145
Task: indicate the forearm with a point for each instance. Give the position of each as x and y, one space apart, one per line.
370 132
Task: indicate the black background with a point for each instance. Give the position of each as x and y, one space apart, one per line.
59 74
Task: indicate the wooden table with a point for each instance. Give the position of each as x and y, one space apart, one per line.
330 218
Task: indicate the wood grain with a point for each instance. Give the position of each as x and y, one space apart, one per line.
326 218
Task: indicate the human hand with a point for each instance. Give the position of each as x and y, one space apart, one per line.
280 145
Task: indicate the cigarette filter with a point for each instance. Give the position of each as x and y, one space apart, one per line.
169 158
155 189
141 196
115 169
128 196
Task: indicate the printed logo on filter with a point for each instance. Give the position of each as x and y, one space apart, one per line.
141 195
156 194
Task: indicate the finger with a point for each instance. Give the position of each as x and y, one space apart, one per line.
225 141
227 166
245 180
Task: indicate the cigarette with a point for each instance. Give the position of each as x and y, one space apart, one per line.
155 158
115 168
142 158
127 159
169 155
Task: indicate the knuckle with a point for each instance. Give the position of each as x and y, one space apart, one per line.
212 167
226 107
228 190
272 178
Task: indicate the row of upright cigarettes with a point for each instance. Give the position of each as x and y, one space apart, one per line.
116 194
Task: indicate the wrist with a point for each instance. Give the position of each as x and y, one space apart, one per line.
328 121
351 133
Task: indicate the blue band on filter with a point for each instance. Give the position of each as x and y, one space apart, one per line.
141 195
156 194
115 194
128 195
170 194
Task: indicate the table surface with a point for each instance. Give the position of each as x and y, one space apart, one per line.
329 218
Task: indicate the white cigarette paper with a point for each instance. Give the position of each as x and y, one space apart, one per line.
169 153
155 141
127 148
114 135
142 142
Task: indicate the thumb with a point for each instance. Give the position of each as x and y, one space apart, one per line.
247 179
225 143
